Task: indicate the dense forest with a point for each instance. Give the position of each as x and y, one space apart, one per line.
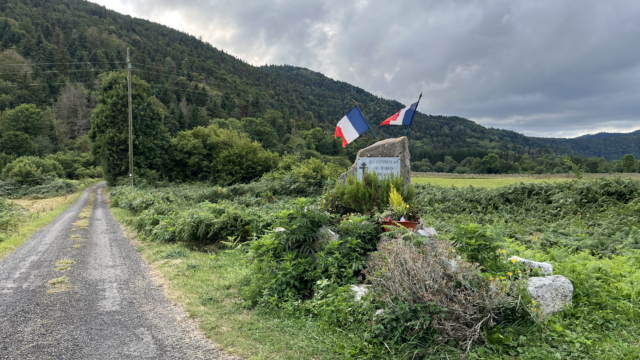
56 55
611 146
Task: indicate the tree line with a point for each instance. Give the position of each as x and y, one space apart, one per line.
57 54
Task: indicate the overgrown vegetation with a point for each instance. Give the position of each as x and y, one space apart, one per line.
455 293
267 218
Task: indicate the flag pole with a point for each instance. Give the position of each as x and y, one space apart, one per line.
414 114
365 120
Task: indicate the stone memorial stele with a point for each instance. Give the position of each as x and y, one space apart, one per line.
388 155
383 166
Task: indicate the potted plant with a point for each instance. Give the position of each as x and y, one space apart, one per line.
399 213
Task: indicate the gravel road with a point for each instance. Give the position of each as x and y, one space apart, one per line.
108 308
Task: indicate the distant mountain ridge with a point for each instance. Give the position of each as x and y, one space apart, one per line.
611 146
179 68
603 135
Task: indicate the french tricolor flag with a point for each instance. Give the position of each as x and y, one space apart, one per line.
402 117
351 126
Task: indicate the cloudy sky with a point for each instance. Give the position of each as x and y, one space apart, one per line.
558 68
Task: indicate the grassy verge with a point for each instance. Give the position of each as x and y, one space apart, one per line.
205 282
41 218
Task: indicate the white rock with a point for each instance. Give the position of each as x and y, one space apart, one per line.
546 268
379 312
428 232
359 291
550 292
423 230
279 229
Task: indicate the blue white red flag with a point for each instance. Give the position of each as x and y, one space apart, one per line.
351 126
402 117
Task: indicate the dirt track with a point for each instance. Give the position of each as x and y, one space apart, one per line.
108 308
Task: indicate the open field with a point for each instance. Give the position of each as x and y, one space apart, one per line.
494 181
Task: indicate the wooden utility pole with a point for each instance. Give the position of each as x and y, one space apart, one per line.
130 122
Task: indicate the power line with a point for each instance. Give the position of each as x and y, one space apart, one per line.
153 85
54 71
71 63
47 84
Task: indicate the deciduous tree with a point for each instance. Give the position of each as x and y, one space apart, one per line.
110 128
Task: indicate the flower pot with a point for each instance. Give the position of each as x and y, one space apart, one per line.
411 225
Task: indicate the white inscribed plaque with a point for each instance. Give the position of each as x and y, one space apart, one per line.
383 166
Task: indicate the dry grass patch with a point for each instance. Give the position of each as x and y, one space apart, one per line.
77 246
58 281
64 264
82 224
58 285
85 214
43 206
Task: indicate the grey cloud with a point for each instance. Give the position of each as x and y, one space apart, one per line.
542 67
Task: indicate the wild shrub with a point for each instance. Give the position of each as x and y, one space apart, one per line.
283 260
25 173
77 165
297 178
480 246
31 170
372 192
431 289
219 156
335 307
205 223
289 263
51 188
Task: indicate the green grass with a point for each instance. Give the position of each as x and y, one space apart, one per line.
206 283
479 182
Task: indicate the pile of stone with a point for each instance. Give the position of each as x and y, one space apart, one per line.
550 292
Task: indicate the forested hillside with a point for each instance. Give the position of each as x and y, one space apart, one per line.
77 40
56 54
611 146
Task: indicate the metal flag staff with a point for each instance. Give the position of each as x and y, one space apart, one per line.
414 114
356 105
